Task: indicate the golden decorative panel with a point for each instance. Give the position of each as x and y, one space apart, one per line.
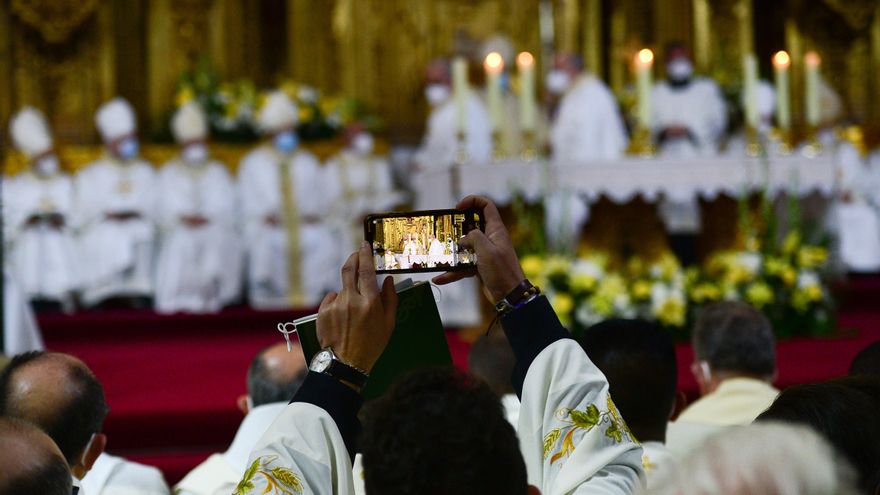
54 19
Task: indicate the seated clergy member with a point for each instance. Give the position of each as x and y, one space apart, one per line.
638 359
37 205
770 459
845 412
274 376
115 213
491 359
285 198
734 365
573 440
59 394
31 462
200 263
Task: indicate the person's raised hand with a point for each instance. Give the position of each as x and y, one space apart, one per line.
357 322
497 265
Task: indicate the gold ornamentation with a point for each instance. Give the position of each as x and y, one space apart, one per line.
586 421
292 226
55 20
279 480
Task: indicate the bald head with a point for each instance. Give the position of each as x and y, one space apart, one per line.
57 393
275 374
30 462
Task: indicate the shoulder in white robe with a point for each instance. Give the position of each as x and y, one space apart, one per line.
440 145
112 475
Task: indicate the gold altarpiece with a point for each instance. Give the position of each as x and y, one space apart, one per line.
67 56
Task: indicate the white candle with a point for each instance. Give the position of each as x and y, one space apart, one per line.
525 64
459 91
750 83
644 64
781 65
812 61
493 65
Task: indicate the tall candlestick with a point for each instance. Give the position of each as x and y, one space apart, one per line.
493 65
644 64
812 61
781 65
459 92
750 84
525 64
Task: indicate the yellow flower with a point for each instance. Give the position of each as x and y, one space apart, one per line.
562 303
306 112
791 243
669 266
812 256
759 294
185 95
788 275
641 290
583 283
737 275
532 266
814 293
705 292
602 305
231 110
557 265
774 266
671 312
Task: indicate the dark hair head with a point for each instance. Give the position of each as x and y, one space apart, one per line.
30 463
491 359
70 412
846 411
438 432
867 361
277 381
676 48
638 359
734 337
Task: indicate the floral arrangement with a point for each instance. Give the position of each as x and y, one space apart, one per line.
788 283
232 106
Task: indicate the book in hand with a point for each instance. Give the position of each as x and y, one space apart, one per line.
418 340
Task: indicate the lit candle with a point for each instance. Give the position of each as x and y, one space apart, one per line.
644 64
493 65
525 64
459 91
812 61
781 65
750 83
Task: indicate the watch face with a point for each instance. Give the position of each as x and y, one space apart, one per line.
321 361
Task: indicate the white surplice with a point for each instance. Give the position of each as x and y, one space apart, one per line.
221 472
266 245
42 256
21 333
199 269
588 125
855 218
440 144
599 459
112 475
116 256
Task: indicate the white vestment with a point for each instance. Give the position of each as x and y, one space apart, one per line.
116 256
440 144
588 125
199 268
20 330
856 219
267 245
593 459
736 402
657 460
436 248
42 256
220 473
112 475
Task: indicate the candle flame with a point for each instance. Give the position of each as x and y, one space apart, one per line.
525 59
494 62
812 59
645 56
781 59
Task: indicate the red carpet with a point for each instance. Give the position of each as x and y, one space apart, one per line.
172 381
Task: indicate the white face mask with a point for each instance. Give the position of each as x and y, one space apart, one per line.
47 166
436 94
557 81
195 153
680 69
362 144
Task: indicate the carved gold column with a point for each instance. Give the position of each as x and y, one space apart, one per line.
162 71
592 21
566 39
702 35
619 63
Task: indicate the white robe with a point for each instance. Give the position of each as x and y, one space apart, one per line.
220 473
20 330
440 144
266 245
112 475
43 257
305 440
116 257
657 460
588 125
856 221
199 269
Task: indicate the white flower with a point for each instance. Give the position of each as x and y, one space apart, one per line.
808 279
586 316
587 267
750 261
307 94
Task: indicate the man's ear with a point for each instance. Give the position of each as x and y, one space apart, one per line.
243 404
90 454
533 490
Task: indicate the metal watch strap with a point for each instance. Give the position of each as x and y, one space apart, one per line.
350 374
